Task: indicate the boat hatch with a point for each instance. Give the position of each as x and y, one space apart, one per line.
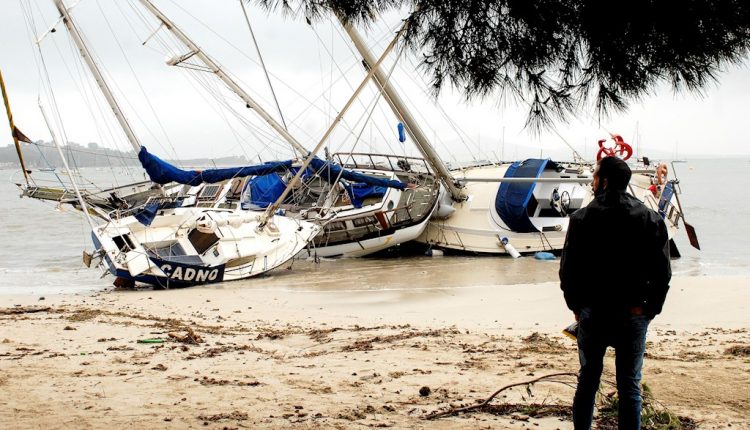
124 242
165 249
171 251
202 241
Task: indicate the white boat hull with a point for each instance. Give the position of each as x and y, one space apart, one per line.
368 246
476 227
191 246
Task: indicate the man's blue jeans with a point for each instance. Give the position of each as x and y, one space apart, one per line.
627 334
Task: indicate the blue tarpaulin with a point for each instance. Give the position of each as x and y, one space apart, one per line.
331 172
147 213
359 192
264 190
513 197
162 172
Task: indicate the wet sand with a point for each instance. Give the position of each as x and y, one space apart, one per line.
353 351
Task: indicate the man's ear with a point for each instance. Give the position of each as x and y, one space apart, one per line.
604 184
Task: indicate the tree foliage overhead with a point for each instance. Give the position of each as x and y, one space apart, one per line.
560 56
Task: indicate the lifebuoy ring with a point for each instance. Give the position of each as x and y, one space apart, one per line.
621 149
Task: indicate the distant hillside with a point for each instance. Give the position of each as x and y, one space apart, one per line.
44 154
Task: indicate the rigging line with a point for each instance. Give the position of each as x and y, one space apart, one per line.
376 98
421 118
121 94
91 99
382 112
155 34
462 135
263 63
210 87
378 95
89 94
55 107
409 100
138 81
83 151
271 209
232 129
84 88
241 52
31 32
46 83
322 85
342 72
191 78
330 75
435 102
215 92
252 128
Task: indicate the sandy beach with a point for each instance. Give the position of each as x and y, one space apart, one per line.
266 357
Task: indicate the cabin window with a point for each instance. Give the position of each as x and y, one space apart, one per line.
202 241
336 225
363 221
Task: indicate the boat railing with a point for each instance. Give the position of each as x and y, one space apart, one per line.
385 162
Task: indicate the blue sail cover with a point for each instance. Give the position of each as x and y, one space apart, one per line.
162 172
358 192
331 172
513 197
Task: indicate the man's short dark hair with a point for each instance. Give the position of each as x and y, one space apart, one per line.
616 172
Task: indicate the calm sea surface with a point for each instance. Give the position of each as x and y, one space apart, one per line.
42 245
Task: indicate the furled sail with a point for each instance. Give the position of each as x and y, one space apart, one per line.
162 172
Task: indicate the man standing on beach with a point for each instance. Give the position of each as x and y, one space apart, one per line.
615 275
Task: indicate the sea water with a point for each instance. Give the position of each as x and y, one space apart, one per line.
42 244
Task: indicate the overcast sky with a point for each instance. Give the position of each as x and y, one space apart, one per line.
179 113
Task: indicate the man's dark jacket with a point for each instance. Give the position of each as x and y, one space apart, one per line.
616 256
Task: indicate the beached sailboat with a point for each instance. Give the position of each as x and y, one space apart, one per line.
188 227
360 211
524 204
154 238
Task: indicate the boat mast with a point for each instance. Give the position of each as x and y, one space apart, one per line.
371 72
79 196
402 112
13 129
216 69
88 58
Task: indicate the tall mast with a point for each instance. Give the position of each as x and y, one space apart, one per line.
13 129
89 60
216 69
375 67
402 112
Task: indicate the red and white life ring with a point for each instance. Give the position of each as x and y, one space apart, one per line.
621 149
